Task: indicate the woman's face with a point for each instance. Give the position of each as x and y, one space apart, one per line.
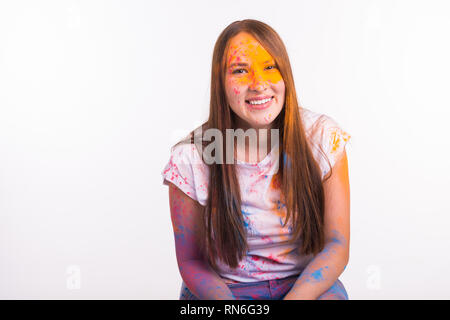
254 87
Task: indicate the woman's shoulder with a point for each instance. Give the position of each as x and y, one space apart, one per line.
186 170
318 126
314 121
325 134
188 148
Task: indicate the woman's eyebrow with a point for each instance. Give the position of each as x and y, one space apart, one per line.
243 64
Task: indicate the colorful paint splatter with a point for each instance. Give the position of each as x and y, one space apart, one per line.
269 256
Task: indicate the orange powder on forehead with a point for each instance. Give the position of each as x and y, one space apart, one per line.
258 59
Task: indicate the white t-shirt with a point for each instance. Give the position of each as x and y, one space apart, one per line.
269 256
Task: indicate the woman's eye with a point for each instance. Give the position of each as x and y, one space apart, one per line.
271 67
238 71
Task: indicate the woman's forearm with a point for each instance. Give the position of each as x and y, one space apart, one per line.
204 282
320 274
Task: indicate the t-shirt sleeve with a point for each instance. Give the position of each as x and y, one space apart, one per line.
182 170
332 139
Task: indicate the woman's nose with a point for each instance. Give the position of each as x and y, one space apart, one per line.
257 81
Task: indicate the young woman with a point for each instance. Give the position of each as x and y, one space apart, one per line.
276 227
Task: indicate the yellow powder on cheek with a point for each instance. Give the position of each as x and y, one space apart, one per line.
259 58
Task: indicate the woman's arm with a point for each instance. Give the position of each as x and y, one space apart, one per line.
325 268
198 276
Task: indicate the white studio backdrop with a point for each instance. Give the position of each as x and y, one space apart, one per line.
94 93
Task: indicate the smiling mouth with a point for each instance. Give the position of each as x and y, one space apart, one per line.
259 104
259 101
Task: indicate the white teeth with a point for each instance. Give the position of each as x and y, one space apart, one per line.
260 101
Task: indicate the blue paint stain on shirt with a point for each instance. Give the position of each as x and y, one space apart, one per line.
248 225
280 205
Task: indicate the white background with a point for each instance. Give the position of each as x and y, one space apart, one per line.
94 93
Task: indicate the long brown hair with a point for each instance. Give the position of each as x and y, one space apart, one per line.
300 179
